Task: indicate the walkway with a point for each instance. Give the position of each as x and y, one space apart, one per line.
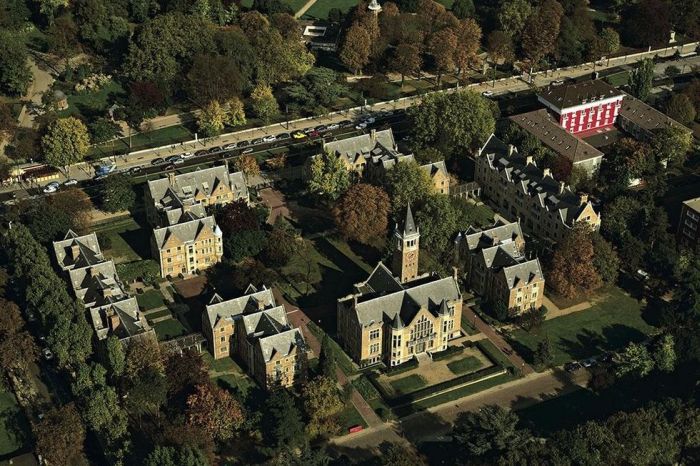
553 310
304 9
497 340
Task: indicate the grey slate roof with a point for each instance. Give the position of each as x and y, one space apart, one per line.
522 273
362 144
407 302
87 248
254 301
577 94
409 226
131 321
281 343
646 116
435 167
187 185
541 125
381 280
97 285
186 232
498 233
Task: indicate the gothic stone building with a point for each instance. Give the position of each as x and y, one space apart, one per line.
256 330
496 267
394 317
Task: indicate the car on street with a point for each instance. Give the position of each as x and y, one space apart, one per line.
158 161
345 124
48 355
170 166
369 120
572 366
283 136
214 149
298 135
70 182
200 153
314 134
230 146
243 143
135 170
590 362
321 128
308 130
270 138
174 159
100 177
333 126
361 125
256 141
187 155
557 82
247 150
50 189
487 94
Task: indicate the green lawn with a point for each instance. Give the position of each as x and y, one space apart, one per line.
159 137
608 325
169 329
321 8
618 79
151 299
129 242
464 365
295 5
408 384
91 104
158 314
350 417
13 425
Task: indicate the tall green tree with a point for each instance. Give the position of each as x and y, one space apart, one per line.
212 119
406 184
543 354
60 435
356 48
680 108
513 15
66 142
282 423
264 103
640 80
115 357
672 144
15 75
329 178
322 403
634 360
117 193
361 214
489 432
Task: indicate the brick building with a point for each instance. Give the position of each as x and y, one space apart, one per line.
188 247
688 231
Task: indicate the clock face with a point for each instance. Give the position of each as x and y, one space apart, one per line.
411 256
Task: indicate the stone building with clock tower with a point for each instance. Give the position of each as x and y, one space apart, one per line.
396 315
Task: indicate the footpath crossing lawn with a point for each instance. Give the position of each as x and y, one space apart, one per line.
610 324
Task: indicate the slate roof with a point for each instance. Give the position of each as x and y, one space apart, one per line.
362 144
494 235
97 285
185 232
571 95
427 293
409 226
281 343
380 281
522 273
646 116
542 126
253 300
532 181
131 321
87 248
434 168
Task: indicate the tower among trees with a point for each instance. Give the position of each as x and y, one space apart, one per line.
405 264
374 7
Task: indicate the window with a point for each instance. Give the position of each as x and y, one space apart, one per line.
396 342
374 348
223 339
374 334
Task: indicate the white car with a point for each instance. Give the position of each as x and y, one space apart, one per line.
186 155
333 126
70 182
487 93
48 355
361 125
270 138
230 146
49 188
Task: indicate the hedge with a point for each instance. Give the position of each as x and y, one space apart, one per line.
450 351
493 354
406 366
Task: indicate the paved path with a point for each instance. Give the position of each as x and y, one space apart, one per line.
304 9
41 82
497 340
553 311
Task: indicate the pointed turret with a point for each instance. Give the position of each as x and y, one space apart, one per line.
444 309
397 323
409 226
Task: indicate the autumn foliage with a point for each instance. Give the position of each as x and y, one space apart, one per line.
572 270
362 213
215 411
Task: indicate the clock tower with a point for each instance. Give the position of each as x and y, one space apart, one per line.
406 240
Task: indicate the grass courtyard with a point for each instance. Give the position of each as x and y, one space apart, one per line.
151 299
408 384
613 321
169 329
128 240
464 366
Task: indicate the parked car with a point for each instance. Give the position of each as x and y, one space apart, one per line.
105 169
135 170
230 146
256 141
214 149
200 153
321 128
187 155
174 159
283 136
48 355
270 138
369 120
572 366
247 150
158 161
298 135
170 166
557 82
487 93
70 182
333 126
50 189
361 125
308 130
345 123
243 143
100 177
314 134
590 362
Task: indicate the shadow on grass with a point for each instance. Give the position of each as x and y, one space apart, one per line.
138 240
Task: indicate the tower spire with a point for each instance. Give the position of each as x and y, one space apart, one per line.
374 7
405 263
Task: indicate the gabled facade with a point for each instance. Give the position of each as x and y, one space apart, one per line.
496 267
516 188
188 247
391 320
689 224
254 329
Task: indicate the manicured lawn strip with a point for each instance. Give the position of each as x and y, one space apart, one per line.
169 329
468 327
341 358
158 314
608 325
365 388
239 384
14 428
408 384
494 354
618 79
156 138
464 366
350 417
128 240
151 299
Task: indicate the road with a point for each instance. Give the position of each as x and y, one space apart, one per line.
435 423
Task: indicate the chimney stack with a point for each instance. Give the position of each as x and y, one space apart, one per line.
171 178
75 251
546 172
561 187
528 160
583 199
114 321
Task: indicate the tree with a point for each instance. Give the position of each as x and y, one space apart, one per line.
572 270
664 353
117 194
672 144
247 164
609 41
362 213
640 80
541 31
214 77
215 411
184 372
329 177
171 456
463 8
533 318
212 119
17 347
407 184
356 48
14 14
680 108
605 259
282 423
442 46
279 60
65 142
455 123
103 130
397 455
235 112
15 75
264 103
60 435
326 359
500 47
244 244
543 354
468 43
646 23
513 15
237 216
115 358
634 360
440 219
489 432
62 37
282 243
406 60
322 403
